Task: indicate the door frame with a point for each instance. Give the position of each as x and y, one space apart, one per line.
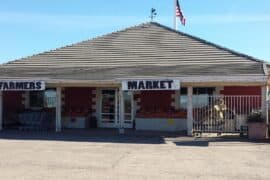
129 125
100 97
116 123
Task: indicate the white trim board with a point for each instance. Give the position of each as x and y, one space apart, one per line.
188 79
183 79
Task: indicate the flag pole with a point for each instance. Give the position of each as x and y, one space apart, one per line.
174 14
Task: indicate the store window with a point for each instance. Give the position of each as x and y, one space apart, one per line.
200 97
128 105
108 109
36 99
183 98
50 98
42 99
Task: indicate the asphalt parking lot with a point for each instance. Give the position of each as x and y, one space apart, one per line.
50 156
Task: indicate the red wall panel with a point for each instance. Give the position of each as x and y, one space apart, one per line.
241 90
12 100
78 101
245 103
157 104
156 100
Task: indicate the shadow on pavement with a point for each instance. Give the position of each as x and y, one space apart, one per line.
129 137
92 135
192 143
219 141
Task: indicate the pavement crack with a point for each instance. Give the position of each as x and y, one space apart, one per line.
117 161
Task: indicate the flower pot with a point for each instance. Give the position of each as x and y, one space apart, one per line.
257 130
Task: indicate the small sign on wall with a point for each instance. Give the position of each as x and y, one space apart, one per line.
139 85
22 85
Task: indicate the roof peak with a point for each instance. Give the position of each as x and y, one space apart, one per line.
207 42
148 24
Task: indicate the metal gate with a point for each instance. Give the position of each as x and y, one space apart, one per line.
223 114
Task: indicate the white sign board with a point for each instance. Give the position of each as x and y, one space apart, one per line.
141 85
22 85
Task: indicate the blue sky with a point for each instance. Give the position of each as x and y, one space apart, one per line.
28 27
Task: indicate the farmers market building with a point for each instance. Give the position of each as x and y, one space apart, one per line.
146 77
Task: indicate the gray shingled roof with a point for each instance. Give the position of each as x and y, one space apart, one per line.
146 50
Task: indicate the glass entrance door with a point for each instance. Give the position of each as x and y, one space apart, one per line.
109 108
128 109
109 115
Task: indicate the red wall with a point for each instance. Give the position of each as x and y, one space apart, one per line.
245 102
157 104
12 100
241 90
78 101
156 100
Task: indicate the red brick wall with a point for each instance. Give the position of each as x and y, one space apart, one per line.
78 101
12 100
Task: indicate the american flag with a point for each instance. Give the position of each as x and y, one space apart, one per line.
180 14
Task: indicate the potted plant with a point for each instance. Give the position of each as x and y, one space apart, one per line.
257 127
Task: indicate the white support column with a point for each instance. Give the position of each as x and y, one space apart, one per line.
264 101
121 111
189 112
58 113
1 110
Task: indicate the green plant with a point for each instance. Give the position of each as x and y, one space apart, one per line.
255 116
